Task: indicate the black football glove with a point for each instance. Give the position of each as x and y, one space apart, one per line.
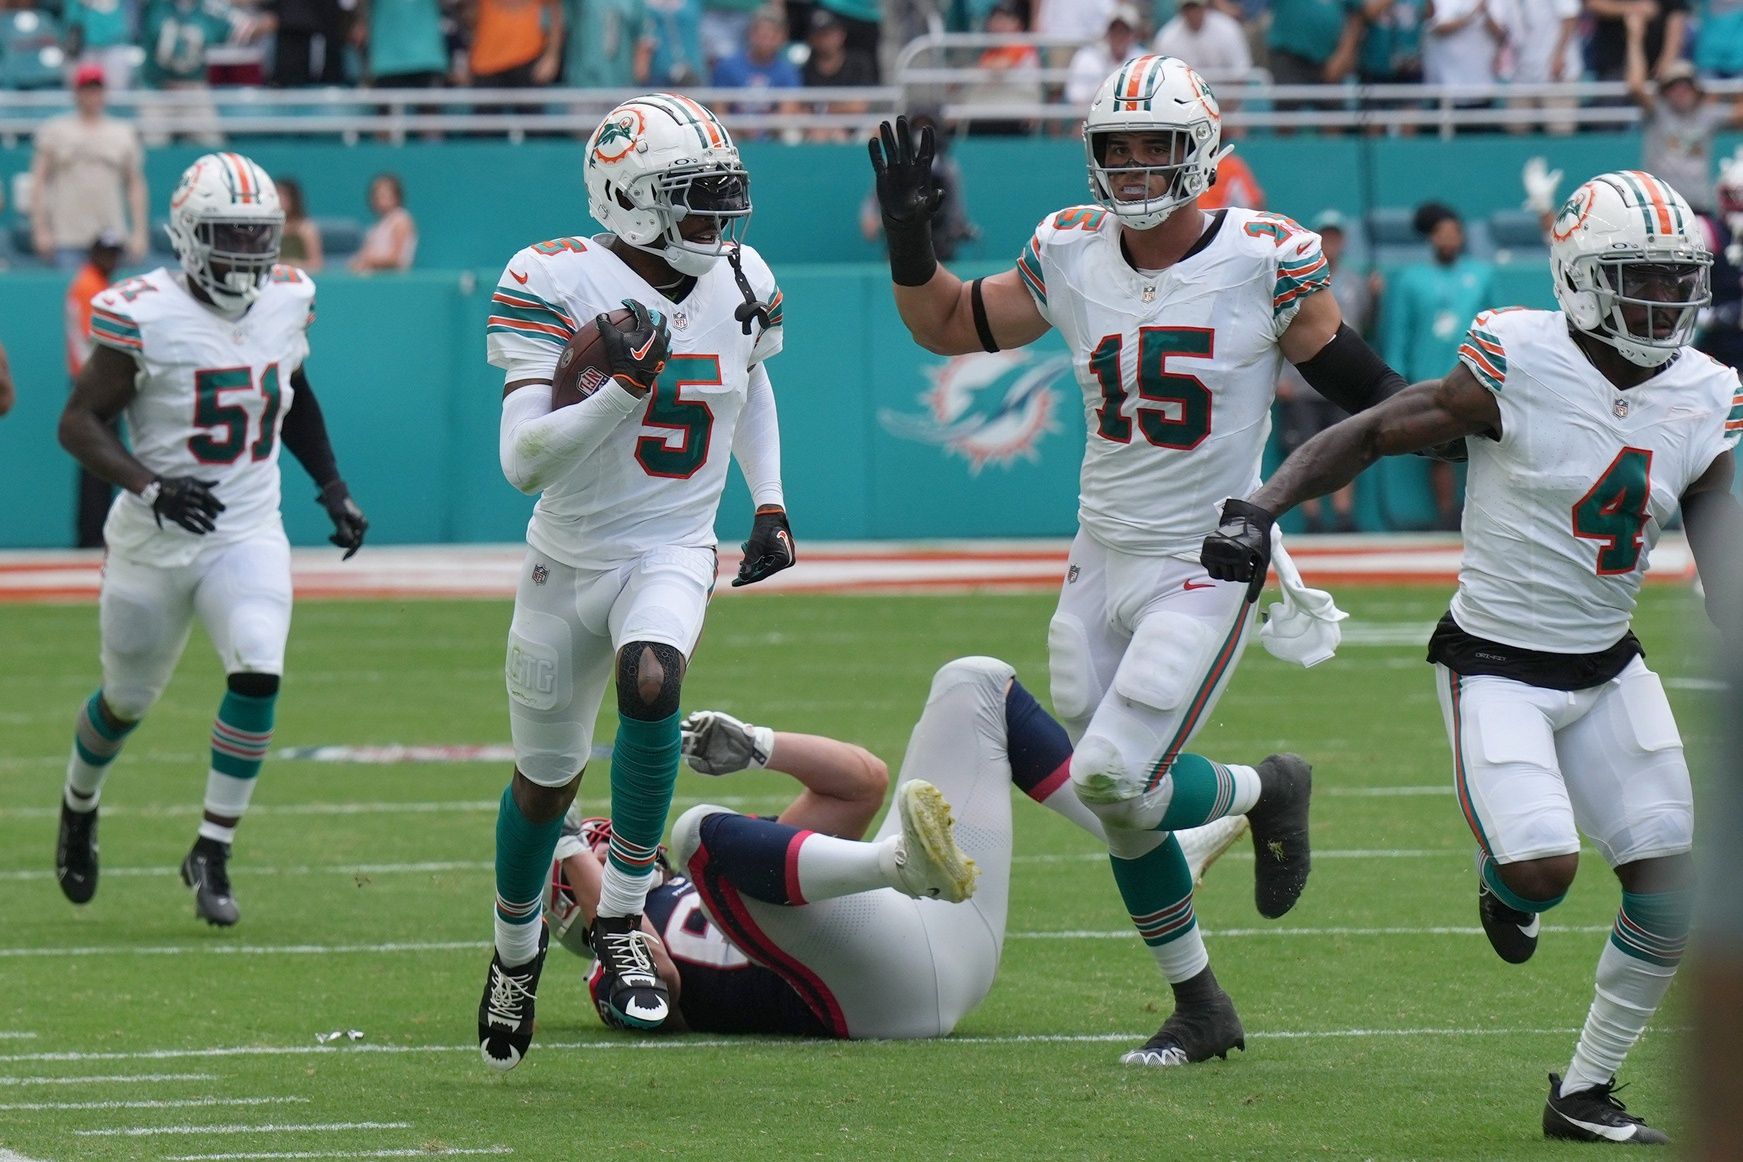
906 192
1240 549
185 501
349 523
1451 452
770 548
637 356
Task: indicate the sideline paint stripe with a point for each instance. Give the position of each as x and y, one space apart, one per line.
109 1079
657 1044
414 1152
155 1104
178 810
118 950
304 1128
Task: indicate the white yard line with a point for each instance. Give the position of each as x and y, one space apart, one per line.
177 810
413 1152
8 1156
367 869
109 1079
155 1104
16 1035
1351 853
1232 933
297 1128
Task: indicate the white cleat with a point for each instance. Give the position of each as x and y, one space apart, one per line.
1203 845
924 861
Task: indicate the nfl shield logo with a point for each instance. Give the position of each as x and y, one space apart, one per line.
1071 574
540 574
1621 409
680 319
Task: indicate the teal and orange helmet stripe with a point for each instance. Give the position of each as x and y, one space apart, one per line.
1137 83
1660 210
242 176
710 133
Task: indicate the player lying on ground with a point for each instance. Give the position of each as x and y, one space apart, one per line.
793 925
207 364
1588 428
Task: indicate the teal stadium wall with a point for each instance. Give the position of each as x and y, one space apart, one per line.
398 361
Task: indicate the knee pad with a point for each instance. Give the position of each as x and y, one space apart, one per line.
975 670
130 700
1166 660
635 702
539 667
251 685
1069 670
687 832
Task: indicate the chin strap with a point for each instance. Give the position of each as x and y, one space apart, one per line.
752 309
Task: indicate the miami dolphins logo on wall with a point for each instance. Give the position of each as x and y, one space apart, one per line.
988 407
617 136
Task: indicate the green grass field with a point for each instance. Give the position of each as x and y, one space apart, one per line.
1380 1025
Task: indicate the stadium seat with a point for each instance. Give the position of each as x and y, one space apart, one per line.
1516 229
1394 241
340 237
30 51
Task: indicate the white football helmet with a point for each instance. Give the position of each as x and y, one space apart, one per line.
1626 244
1154 94
226 224
654 161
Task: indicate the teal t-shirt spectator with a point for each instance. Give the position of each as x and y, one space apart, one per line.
406 44
676 26
603 43
1430 305
99 23
1309 29
1392 43
177 34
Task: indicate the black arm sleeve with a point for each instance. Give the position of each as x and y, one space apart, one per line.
305 433
1713 521
1350 373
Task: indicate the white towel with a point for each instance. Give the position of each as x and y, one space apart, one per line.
1303 627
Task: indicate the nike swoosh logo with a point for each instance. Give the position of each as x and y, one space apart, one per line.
1201 585
642 351
519 277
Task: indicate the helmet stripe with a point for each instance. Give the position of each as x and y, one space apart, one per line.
1632 195
1662 199
665 104
244 188
716 134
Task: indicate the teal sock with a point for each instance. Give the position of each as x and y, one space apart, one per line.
1653 926
1492 877
240 738
1157 890
1203 791
644 768
523 865
95 745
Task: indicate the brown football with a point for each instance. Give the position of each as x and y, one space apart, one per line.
581 368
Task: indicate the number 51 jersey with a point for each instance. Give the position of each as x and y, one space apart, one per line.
1562 512
656 479
1178 367
212 393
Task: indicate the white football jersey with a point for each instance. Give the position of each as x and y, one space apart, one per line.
1562 512
1178 368
211 395
657 479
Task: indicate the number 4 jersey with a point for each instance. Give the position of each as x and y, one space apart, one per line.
1562 511
211 395
1178 367
656 480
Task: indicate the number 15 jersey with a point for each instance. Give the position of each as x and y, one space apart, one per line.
1178 367
211 395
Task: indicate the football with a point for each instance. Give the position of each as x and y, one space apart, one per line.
581 369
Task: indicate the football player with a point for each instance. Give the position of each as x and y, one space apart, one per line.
207 364
1588 428
621 549
793 926
1177 321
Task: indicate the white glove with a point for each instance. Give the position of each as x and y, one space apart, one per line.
1541 183
716 743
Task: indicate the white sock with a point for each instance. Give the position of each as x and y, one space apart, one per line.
828 867
621 894
226 797
1182 959
217 831
517 943
1246 788
1629 992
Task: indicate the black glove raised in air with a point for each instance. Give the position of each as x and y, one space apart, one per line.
908 197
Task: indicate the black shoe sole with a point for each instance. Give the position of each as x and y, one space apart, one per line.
1282 853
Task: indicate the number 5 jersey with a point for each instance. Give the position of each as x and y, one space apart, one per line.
212 393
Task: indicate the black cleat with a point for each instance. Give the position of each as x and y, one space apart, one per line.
630 994
1594 1115
1512 933
207 870
75 854
505 1013
1193 1035
1279 823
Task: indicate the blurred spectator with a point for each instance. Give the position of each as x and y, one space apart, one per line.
950 224
1313 42
1665 25
8 395
516 44
177 35
94 494
1092 64
1429 306
1543 47
1679 122
1460 44
610 44
402 43
1081 21
1391 52
860 19
100 32
308 46
726 28
301 242
86 177
832 64
1306 413
1206 38
1235 185
1719 39
762 65
1009 75
1721 333
392 241
678 58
